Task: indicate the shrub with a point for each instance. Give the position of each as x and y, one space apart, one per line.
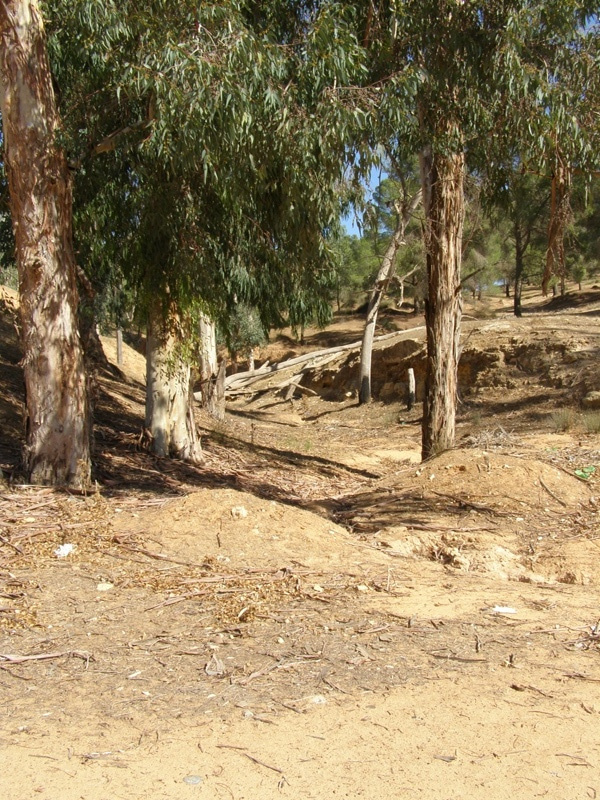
591 421
563 419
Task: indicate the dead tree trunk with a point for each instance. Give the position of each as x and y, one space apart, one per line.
211 376
382 281
443 199
169 399
57 450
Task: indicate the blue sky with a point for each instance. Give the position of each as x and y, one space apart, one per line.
349 221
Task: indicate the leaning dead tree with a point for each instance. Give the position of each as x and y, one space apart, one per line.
404 211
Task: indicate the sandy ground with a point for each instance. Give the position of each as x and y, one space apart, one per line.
313 613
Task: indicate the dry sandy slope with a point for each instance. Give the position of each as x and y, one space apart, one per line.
362 674
431 632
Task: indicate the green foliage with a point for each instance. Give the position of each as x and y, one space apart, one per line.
585 473
358 263
518 208
210 140
244 330
583 255
394 194
210 149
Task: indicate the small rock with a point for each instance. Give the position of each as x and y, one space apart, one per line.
64 550
318 699
591 400
192 780
239 512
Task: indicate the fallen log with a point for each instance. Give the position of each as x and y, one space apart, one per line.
294 383
320 357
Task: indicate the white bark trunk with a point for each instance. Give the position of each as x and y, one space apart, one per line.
384 276
412 389
208 347
169 409
57 450
211 376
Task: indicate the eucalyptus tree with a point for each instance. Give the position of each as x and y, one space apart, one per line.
57 448
404 201
569 134
212 116
467 82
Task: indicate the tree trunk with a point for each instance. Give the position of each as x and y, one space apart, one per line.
386 272
169 398
560 214
57 450
412 389
211 376
119 346
93 352
384 276
443 198
519 267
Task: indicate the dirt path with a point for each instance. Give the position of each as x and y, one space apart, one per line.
430 687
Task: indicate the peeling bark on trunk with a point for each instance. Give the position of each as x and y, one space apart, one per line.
382 281
443 199
212 375
57 450
560 213
169 398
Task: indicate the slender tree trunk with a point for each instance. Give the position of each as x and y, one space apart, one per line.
384 276
443 198
560 214
169 398
211 376
519 266
119 335
57 449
